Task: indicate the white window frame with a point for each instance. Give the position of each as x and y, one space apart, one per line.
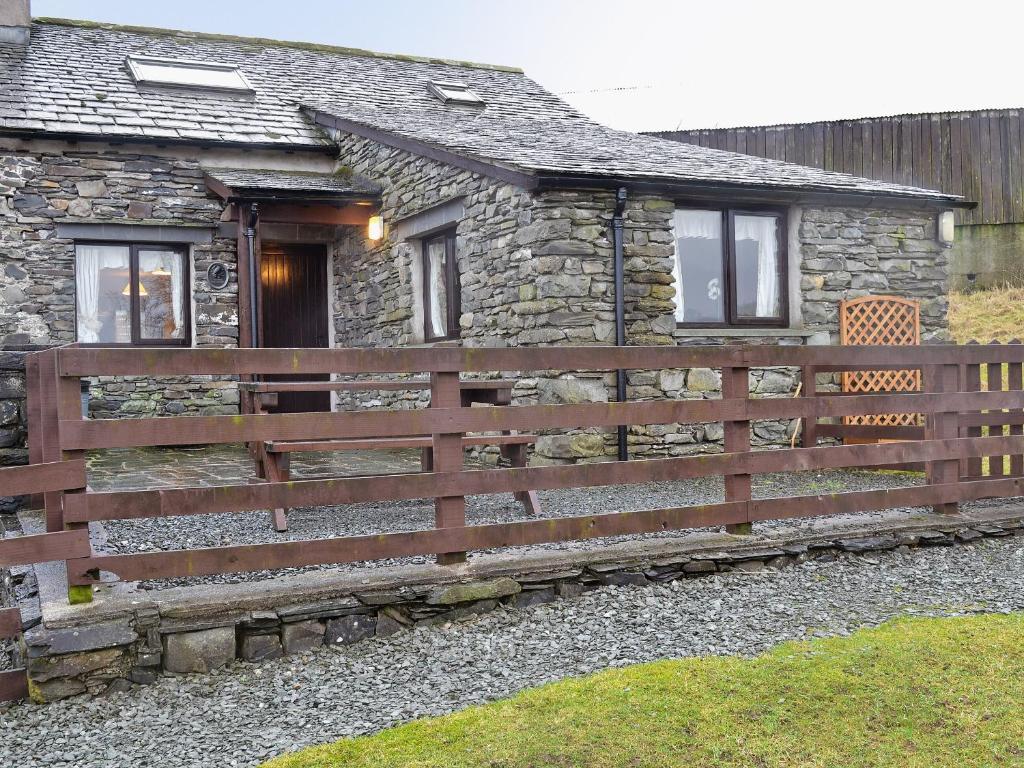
139 76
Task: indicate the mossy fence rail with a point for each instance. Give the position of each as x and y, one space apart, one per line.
949 446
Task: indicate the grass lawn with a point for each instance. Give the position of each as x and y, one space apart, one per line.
914 692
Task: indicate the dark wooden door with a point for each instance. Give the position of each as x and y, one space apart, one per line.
293 280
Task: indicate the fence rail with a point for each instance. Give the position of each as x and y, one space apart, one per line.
951 445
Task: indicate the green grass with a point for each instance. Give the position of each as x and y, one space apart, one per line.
914 692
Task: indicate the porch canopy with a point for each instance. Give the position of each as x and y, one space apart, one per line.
296 197
294 206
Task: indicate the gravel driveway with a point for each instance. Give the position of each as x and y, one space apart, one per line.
170 533
244 714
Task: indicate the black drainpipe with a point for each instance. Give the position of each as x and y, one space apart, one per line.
620 310
250 237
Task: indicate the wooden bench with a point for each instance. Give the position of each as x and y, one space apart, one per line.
273 457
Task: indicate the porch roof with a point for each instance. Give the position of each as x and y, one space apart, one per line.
234 183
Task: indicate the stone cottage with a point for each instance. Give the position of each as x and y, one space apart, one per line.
181 189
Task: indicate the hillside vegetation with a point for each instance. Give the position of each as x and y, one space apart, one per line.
993 315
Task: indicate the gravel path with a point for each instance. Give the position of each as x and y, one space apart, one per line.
244 713
169 533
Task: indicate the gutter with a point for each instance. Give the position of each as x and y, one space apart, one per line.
620 311
71 137
747 192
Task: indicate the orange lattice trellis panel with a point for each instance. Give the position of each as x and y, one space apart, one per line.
881 320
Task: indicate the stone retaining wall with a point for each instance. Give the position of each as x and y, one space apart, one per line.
139 646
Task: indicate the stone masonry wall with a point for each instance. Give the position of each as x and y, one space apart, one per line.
851 252
377 286
537 270
37 293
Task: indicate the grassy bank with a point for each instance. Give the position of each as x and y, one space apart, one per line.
914 692
992 315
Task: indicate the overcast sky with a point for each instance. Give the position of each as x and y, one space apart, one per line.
657 64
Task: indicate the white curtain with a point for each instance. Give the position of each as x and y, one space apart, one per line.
177 294
89 261
438 293
691 225
762 230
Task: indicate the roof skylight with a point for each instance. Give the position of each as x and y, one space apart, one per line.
183 72
454 92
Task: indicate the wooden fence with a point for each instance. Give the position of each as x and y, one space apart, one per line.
59 545
952 401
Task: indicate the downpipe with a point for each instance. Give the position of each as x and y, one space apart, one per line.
620 311
250 237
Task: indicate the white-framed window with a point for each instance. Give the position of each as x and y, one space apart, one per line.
184 72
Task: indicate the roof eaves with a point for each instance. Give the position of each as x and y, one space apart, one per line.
266 41
325 146
433 151
766 192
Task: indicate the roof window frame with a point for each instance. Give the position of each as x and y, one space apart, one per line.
132 61
440 89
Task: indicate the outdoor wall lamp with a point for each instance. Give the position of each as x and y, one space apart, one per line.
947 228
375 227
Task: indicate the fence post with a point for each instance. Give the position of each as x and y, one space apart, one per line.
49 445
449 511
809 379
736 384
972 383
68 407
1015 383
994 373
943 425
33 413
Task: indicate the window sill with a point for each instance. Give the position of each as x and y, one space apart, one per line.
736 333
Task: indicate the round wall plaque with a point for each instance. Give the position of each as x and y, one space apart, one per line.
217 275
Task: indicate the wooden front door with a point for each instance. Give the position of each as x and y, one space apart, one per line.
293 281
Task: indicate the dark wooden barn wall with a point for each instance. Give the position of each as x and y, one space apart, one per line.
974 154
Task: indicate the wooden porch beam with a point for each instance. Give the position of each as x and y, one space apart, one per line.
298 213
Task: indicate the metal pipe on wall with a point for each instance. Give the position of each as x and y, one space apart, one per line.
620 310
250 238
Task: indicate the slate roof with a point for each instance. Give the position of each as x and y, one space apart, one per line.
251 182
585 148
72 80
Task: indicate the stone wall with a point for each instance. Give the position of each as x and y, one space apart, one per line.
38 190
378 287
537 269
851 252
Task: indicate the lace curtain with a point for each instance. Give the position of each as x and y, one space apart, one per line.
90 261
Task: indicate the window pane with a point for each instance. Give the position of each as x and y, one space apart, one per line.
437 322
161 295
102 294
699 267
758 293
184 73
